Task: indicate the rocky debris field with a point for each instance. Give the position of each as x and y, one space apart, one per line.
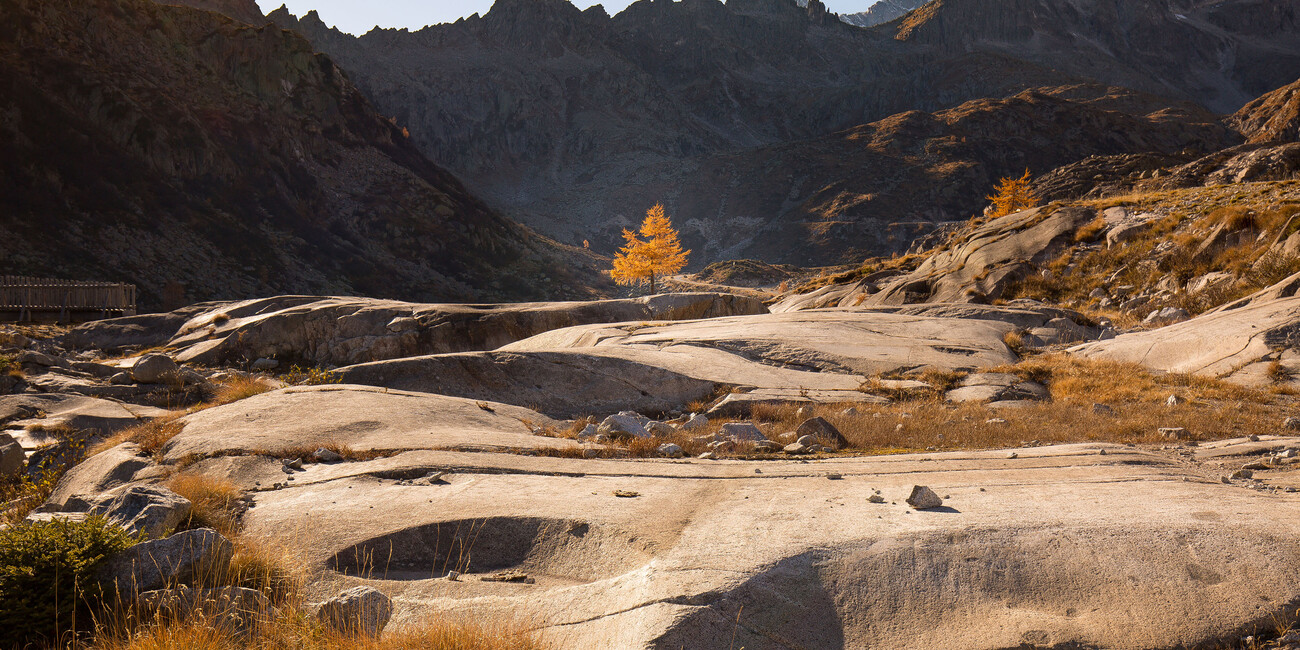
682 469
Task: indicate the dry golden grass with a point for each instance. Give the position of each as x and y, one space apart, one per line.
1091 231
51 431
1278 373
295 630
273 568
216 503
151 435
1074 380
920 419
267 566
235 389
1248 220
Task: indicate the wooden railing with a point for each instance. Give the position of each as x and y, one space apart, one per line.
28 296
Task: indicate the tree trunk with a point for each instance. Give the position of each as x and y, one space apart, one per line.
652 283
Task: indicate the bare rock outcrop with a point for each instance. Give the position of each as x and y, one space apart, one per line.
359 418
1117 550
980 267
1235 344
1274 117
344 331
652 367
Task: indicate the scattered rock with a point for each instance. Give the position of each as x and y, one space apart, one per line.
708 455
1292 423
324 455
291 463
509 576
622 427
796 449
363 611
697 422
670 450
833 476
14 340
121 379
742 432
660 429
264 364
154 369
1173 433
824 432
588 433
1257 465
34 358
1242 474
1166 316
150 510
176 560
98 474
626 494
876 498
923 498
12 458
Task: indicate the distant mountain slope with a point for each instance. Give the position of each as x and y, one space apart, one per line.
167 146
244 10
872 188
1275 117
574 121
882 12
1219 54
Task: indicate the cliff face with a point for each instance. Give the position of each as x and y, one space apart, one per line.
574 121
167 146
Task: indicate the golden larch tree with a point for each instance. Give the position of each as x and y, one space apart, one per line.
652 253
1012 195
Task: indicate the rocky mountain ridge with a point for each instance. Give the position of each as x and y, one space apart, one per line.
192 154
882 12
548 111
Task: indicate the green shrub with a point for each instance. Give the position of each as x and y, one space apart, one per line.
47 576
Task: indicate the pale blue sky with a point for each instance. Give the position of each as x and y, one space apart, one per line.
359 16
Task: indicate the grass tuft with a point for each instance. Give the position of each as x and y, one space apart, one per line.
151 435
216 503
235 389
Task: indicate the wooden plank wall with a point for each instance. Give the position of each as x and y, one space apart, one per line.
44 294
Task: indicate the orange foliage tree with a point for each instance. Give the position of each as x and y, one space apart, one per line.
1012 195
652 253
